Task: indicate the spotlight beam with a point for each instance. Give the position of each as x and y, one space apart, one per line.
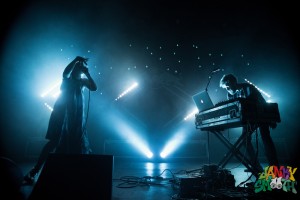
48 91
128 133
173 144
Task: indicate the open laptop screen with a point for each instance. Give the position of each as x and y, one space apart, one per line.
203 101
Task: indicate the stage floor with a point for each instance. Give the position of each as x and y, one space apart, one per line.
142 180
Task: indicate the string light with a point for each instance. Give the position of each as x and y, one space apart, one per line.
134 85
269 96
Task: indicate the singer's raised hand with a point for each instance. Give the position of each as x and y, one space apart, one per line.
85 70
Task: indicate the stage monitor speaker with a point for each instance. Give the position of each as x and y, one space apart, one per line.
75 177
11 177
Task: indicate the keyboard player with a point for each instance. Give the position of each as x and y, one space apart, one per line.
246 90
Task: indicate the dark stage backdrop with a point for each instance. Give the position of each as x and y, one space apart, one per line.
170 46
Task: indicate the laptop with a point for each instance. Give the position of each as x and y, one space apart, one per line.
203 101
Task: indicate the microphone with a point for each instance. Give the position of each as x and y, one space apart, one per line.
216 70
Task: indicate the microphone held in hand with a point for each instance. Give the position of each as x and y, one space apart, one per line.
84 69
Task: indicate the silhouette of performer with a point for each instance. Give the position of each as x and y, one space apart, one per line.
248 91
66 129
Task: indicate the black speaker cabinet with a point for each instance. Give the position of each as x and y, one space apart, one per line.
75 177
11 177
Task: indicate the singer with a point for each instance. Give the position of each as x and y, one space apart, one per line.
66 129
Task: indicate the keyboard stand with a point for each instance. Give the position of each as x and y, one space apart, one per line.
234 151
